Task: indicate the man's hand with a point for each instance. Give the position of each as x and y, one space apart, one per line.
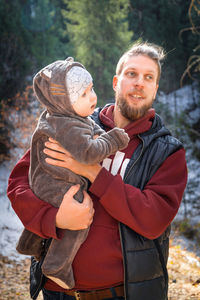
62 158
73 215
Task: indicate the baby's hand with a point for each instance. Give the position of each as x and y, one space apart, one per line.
120 137
95 137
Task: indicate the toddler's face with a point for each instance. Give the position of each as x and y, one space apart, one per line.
85 104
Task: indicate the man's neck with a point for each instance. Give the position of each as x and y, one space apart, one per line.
119 120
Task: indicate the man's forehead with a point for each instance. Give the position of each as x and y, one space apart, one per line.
142 62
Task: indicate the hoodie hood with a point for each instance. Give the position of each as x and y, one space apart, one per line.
133 128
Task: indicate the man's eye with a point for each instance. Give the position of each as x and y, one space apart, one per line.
149 77
131 74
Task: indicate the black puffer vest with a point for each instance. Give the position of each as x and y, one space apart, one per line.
145 272
145 260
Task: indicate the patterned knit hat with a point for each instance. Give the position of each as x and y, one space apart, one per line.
77 81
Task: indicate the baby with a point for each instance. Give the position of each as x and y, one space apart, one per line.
65 88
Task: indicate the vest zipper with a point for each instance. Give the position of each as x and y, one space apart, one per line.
120 235
120 232
41 278
137 157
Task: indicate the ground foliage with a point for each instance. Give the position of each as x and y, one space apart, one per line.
18 123
183 267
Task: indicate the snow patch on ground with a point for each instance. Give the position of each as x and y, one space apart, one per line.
10 225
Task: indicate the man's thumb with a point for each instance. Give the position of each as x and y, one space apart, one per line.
73 190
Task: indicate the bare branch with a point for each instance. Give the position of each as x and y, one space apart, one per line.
187 71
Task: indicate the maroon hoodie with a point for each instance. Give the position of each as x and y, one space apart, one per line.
98 263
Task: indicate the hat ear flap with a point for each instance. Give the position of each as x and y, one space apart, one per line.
46 74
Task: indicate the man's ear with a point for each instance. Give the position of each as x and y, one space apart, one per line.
115 81
156 91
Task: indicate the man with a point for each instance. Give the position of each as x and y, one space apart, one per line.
135 194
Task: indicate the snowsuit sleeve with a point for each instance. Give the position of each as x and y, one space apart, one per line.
149 211
34 213
97 129
76 136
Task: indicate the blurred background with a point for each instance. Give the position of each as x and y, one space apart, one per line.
34 33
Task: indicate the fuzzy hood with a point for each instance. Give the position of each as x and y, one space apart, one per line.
50 88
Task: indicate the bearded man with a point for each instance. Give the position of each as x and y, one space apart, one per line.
135 193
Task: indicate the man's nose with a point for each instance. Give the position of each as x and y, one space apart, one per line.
139 81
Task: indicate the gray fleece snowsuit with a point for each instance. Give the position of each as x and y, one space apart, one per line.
50 183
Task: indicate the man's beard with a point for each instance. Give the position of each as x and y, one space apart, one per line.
130 112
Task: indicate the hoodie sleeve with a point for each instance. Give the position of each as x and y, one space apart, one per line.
36 215
149 211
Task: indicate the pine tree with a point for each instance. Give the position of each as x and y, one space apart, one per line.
14 48
99 34
44 22
31 37
162 22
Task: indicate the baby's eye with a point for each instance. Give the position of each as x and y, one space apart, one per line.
84 94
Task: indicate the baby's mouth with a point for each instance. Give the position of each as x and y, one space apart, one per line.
93 106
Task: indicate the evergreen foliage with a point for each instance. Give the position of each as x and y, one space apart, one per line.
31 37
191 118
14 49
193 65
162 22
14 58
43 21
34 33
99 33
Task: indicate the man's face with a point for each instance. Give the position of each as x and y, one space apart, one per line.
136 87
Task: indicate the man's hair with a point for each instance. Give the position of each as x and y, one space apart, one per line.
150 50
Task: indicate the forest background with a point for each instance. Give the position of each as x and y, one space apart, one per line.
34 33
